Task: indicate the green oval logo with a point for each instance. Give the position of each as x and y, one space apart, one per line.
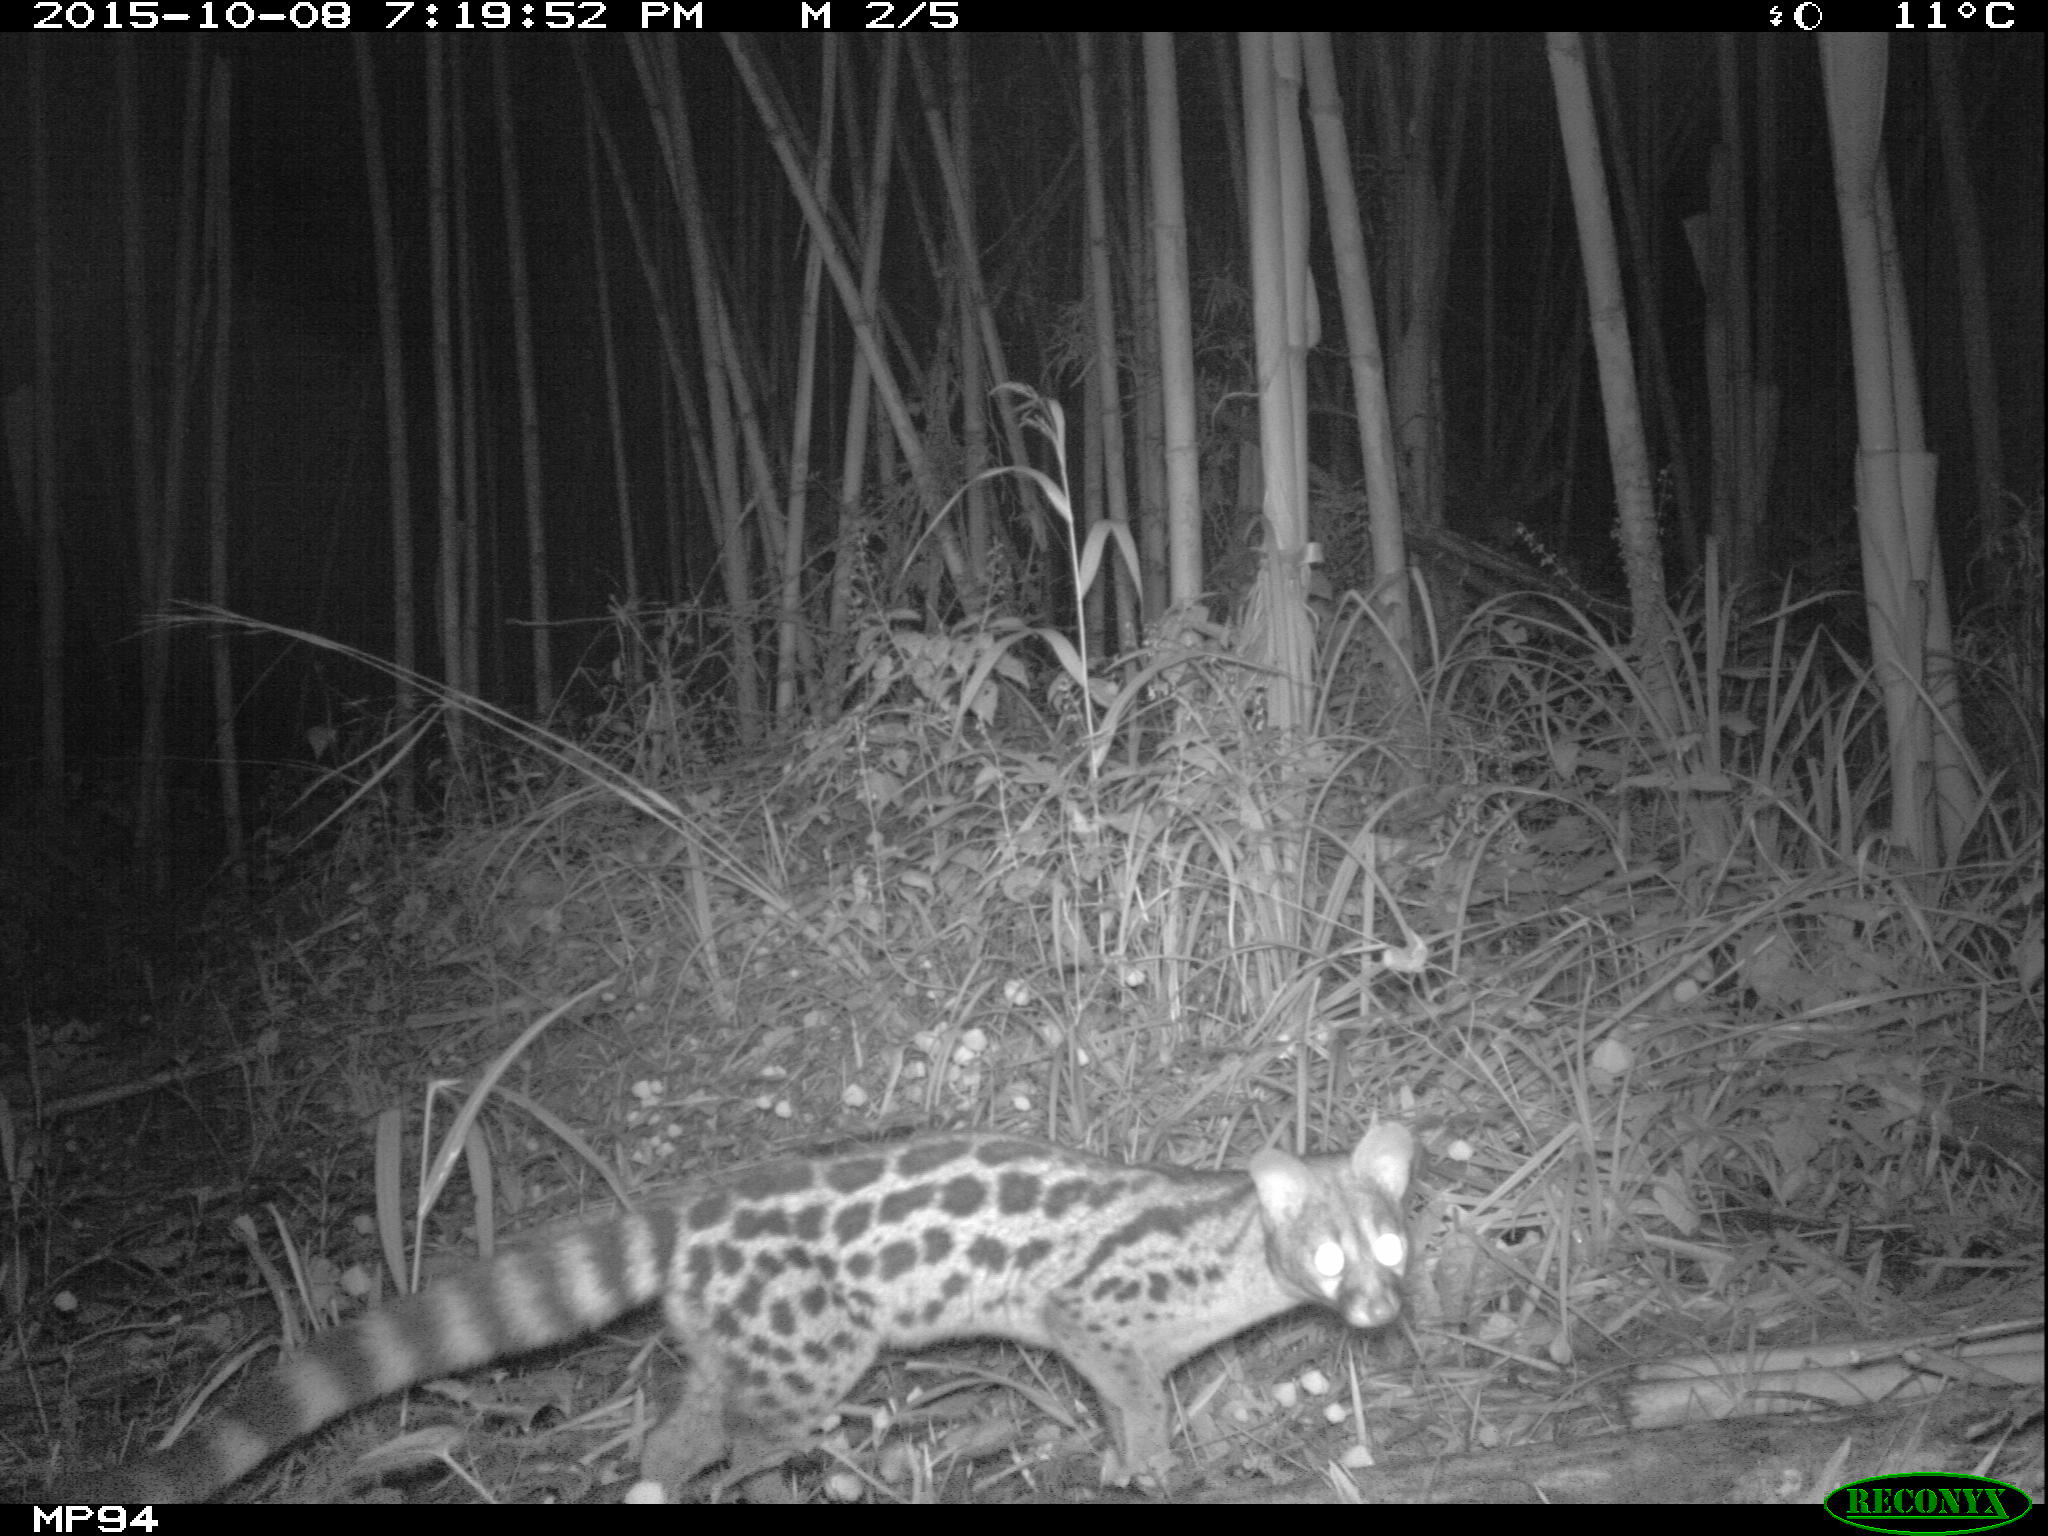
1944 1503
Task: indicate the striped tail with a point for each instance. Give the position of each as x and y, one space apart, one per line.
523 1300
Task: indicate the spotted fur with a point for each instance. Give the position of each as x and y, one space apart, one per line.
782 1283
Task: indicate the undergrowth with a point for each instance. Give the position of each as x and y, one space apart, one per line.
1698 1061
